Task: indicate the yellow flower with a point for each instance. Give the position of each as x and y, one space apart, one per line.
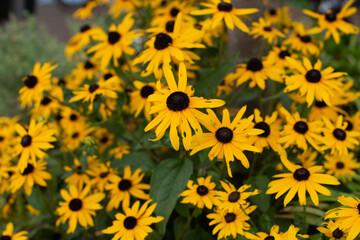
138 98
121 150
85 11
8 233
274 234
101 175
84 70
79 176
264 29
331 232
78 207
119 6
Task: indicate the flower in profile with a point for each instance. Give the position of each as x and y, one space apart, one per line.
120 150
264 29
332 233
115 43
300 180
201 194
228 139
279 16
85 11
8 233
346 216
121 188
134 223
35 84
138 98
334 22
343 165
274 234
231 223
32 174
224 11
338 139
298 131
233 199
314 83
31 143
177 108
79 206
257 71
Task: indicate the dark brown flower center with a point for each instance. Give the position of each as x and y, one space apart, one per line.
84 28
337 233
162 41
130 222
340 165
313 76
272 12
29 169
89 65
320 104
93 87
178 101
146 91
73 117
104 139
234 196
202 190
45 101
113 37
104 174
174 12
108 76
75 204
30 81
267 29
301 127
269 238
301 174
170 26
330 17
224 135
284 53
358 207
254 65
230 217
350 126
26 140
225 7
339 134
305 39
263 126
1 138
124 185
5 237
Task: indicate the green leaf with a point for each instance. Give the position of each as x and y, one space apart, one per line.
209 82
303 4
168 180
134 160
262 200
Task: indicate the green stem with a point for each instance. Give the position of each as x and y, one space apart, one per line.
260 99
187 225
221 46
47 205
252 168
223 166
304 220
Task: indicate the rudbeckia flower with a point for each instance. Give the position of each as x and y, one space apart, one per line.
8 233
85 11
338 139
202 194
31 143
83 71
320 108
347 217
257 71
115 43
274 234
344 165
300 180
120 150
121 188
72 138
79 206
138 98
224 10
278 16
101 174
312 82
119 6
177 108
228 139
36 83
334 22
264 29
104 138
134 223
332 233
277 56
32 174
79 175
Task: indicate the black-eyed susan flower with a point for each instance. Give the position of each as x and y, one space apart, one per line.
7 208
71 119
81 39
231 223
202 194
312 82
78 175
115 43
301 180
274 234
278 55
35 84
292 233
8 233
5 167
256 71
32 142
85 11
334 22
346 217
138 98
308 158
46 107
134 223
104 138
320 108
343 165
78 207
84 70
89 92
228 139
120 150
177 108
278 16
333 234
122 188
72 138
33 174
101 174
338 139
299 132
224 11
119 6
233 199
269 138
302 41
264 29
